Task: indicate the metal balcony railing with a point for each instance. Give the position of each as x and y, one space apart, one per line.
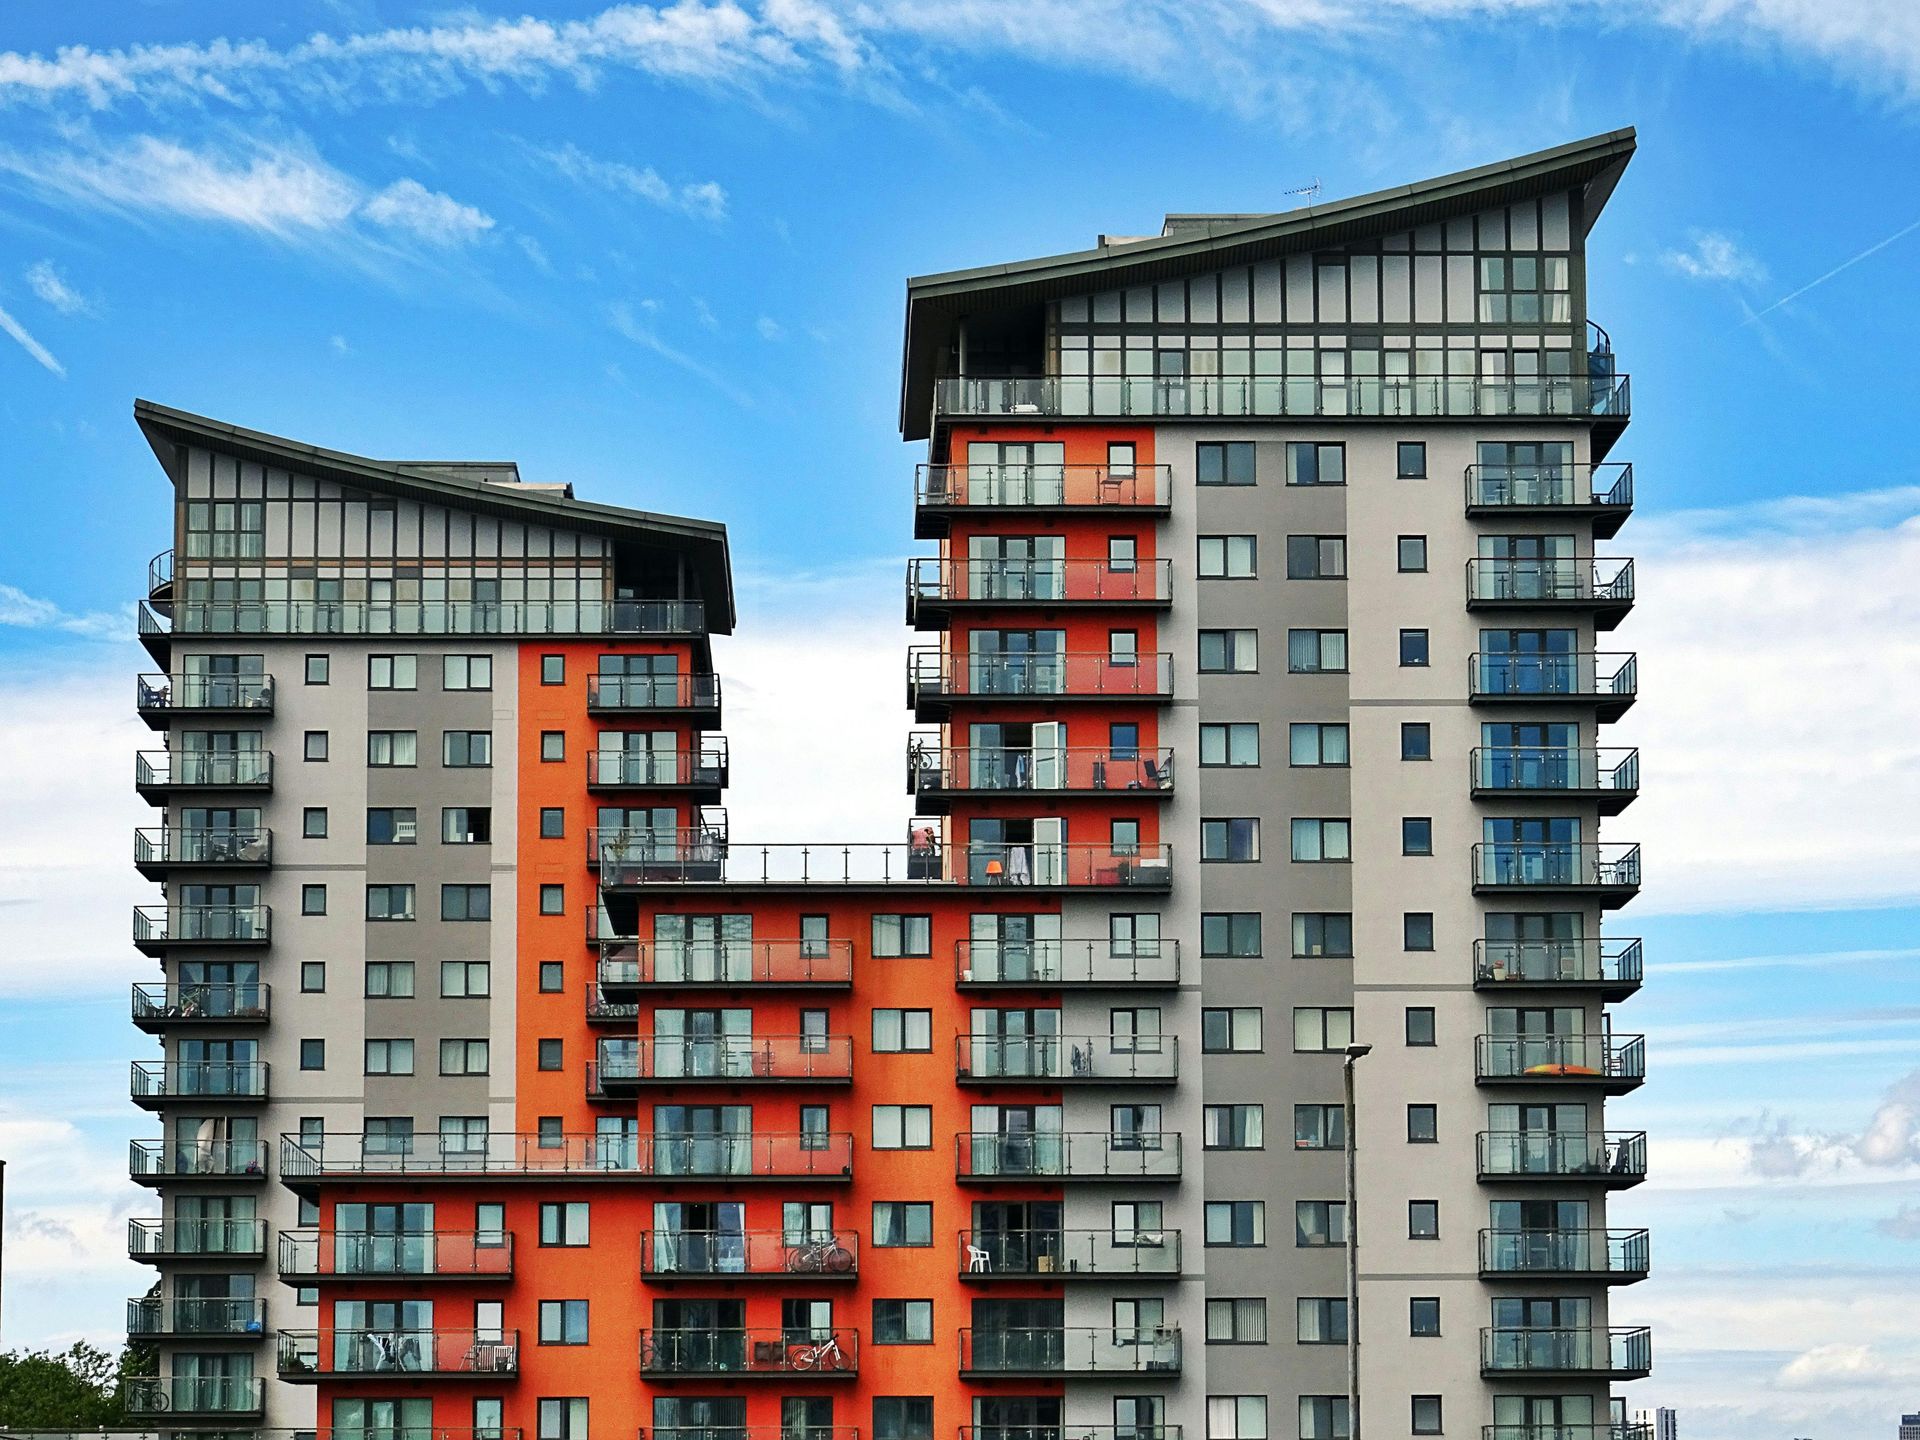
155 1080
445 1254
699 690
1609 678
1043 486
443 617
306 1354
628 963
933 581
155 846
750 1353
1553 770
1619 1430
151 1161
733 1254
1143 1431
1617 1156
704 767
1568 580
1611 1254
158 1005
1607 486
1615 963
212 1238
923 862
825 1155
623 1063
1092 769
1049 963
185 1395
151 1316
1086 1059
1064 1254
183 694
198 770
1618 1352
202 924
1574 865
635 845
1071 1350
935 674
1073 1155
1599 1056
160 575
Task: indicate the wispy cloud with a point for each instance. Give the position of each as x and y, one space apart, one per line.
28 612
770 328
45 280
704 198
40 353
431 216
1841 268
626 323
1717 257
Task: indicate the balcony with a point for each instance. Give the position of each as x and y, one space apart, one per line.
167 1162
749 1354
153 1241
1610 967
165 1082
158 852
154 1317
1032 866
1616 1159
938 775
754 1255
305 1356
1567 1353
1609 874
1074 1350
159 1008
820 1155
693 697
938 588
1610 778
943 493
667 617
603 1009
1600 587
1142 1431
1615 1257
1067 1059
636 844
1606 682
1604 398
985 1158
702 772
1601 1060
1602 494
935 679
1066 964
311 1256
158 928
1624 1430
160 774
989 1255
186 1398
624 1066
163 698
628 965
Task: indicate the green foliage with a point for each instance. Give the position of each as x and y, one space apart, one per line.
75 1389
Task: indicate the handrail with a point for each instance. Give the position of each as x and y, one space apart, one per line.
690 690
1555 768
932 766
406 1349
192 1315
1551 580
448 617
208 768
202 1159
1067 1057
752 1252
625 960
1039 582
1071 1349
173 845
177 692
194 1395
734 1349
246 1002
1567 675
1048 963
1596 1055
1556 864
702 764
316 1252
1593 1154
208 1236
1041 485
820 1154
1073 1154
1598 961
1565 1252
202 924
1608 484
198 1079
915 863
1057 1251
933 671
685 1059
1582 1349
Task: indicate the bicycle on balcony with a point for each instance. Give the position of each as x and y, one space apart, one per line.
822 1255
818 1355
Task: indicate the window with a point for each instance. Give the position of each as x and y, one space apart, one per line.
1317 652
553 977
1236 1222
389 1057
903 1322
1420 1026
1229 652
902 936
1237 1322
903 1127
564 1222
466 749
553 746
1426 1415
1322 932
466 672
1321 1320
553 823
465 979
1230 841
902 1417
1316 557
1317 744
1223 463
1123 740
1423 1315
1230 933
550 1133
392 748
1228 557
1318 840
1318 1028
313 977
1234 1127
1413 554
391 826
319 669
900 1031
813 1128
463 1057
550 1055
1423 1219
1309 463
563 1322
1123 554
226 529
466 825
313 1054
1416 930
553 899
553 669
391 672
389 902
1319 1127
1123 647
313 899
466 902
1236 1417
901 1224
1423 1124
1322 1417
1416 740
389 979
314 745
1236 744
1416 835
1413 648
1410 460
1319 1222
1225 1030
1123 837
313 822
562 1419
1525 290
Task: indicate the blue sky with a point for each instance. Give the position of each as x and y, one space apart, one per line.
660 254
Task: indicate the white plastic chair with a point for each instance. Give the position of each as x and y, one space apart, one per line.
978 1260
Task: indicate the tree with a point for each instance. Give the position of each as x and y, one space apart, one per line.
74 1389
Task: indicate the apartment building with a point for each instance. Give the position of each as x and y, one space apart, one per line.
504 1092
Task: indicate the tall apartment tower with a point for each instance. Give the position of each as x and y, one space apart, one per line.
1910 1427
506 1095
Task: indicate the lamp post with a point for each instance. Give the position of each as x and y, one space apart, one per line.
1354 1053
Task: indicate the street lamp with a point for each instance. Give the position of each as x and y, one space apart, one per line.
1354 1053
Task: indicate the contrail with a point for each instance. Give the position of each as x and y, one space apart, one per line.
1843 265
32 346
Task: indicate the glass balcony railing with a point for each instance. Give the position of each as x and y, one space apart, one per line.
155 1161
191 1317
448 1254
1600 1056
308 1354
1604 584
1051 487
1616 1156
445 617
216 1238
1618 1353
1609 1254
1609 772
187 694
1064 1254
933 769
1582 487
158 1080
157 848
607 694
158 1005
1047 963
627 963
1141 867
934 675
203 770
1608 680
750 1353
1621 1430
700 769
202 925
179 1396
1553 866
622 1064
636 844
1142 1431
1614 965
1086 1059
824 1155
1073 1155
734 1254
935 582
1071 1350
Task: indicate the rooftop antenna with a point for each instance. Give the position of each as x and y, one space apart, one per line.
1311 190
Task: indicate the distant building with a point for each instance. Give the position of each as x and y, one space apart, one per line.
1666 1424
1910 1427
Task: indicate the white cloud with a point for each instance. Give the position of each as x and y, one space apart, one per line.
338 344
46 281
770 328
438 219
39 352
29 612
1903 1224
626 323
705 199
1716 257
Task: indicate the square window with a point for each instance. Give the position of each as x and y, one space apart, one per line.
1423 1124
1410 461
1234 744
313 822
466 672
1416 930
389 902
1423 1315
1323 932
553 977
319 669
551 1132
903 1127
313 977
553 746
564 1223
315 745
1312 463
389 979
563 1322
553 823
1224 463
553 899
1413 554
1426 1415
1123 554
466 902
902 1224
903 1417
903 1322
1423 1219
553 669
1416 835
392 825
313 1054
552 1055
1230 933
313 899
1420 1025
1229 652
1413 648
1416 740
392 672
1234 841
466 825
